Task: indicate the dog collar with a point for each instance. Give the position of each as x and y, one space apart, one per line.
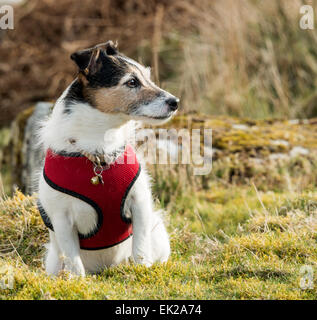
102 158
102 162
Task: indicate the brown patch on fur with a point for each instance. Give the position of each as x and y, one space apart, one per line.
109 100
82 79
120 98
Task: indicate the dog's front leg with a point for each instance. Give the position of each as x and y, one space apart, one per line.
68 243
141 245
142 212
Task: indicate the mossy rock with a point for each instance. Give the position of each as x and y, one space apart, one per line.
275 154
272 154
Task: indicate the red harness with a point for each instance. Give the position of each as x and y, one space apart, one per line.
72 173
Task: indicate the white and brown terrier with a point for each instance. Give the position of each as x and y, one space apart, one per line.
87 200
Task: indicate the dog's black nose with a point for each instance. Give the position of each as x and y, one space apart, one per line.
172 103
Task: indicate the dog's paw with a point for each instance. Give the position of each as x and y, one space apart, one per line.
141 259
74 267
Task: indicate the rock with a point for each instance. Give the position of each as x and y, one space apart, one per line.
23 154
32 151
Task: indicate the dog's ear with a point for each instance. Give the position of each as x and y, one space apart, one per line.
110 48
82 58
89 60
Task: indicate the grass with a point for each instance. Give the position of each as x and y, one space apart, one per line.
246 244
5 177
256 48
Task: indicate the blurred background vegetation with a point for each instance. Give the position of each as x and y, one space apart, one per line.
241 58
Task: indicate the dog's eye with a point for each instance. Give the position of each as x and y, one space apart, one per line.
133 83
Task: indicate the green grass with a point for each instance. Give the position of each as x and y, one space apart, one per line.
240 244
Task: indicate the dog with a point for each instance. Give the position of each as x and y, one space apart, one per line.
90 202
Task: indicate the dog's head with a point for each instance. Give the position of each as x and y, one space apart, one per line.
114 83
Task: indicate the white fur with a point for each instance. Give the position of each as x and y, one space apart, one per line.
157 109
70 215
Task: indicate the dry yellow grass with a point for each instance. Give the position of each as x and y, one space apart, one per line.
243 57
